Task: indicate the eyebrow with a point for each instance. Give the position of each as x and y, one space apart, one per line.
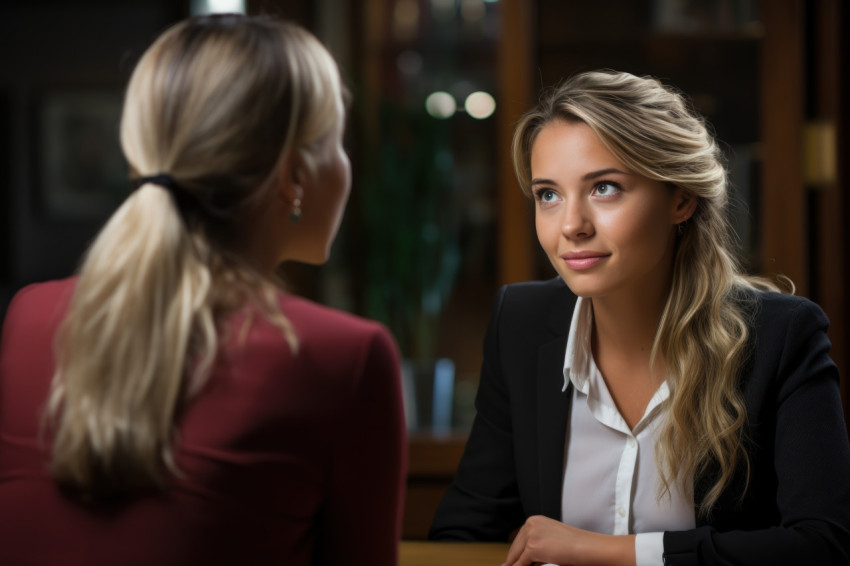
587 177
602 173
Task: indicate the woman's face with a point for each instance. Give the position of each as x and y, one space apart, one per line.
606 230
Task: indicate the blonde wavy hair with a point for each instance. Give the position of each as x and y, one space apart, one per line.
703 331
216 103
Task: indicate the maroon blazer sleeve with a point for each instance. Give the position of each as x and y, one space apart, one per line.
361 522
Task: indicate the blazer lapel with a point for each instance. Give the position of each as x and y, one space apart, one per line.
553 405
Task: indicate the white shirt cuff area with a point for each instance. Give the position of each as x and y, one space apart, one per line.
649 549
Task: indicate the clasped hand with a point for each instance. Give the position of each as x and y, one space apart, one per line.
543 540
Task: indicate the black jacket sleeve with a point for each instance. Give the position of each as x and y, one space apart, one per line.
794 409
483 504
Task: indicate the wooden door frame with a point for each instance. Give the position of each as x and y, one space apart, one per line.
517 240
803 209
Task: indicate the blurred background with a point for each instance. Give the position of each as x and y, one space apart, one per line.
436 221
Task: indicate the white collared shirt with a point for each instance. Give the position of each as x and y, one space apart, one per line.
611 481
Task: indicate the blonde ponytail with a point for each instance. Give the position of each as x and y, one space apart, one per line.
122 349
215 104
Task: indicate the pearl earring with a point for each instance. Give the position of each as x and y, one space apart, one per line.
295 215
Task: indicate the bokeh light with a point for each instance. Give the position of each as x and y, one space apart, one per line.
440 104
480 105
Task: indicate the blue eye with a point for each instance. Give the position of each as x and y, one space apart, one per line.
546 195
606 189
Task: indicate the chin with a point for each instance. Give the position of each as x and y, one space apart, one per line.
584 289
316 258
320 257
583 293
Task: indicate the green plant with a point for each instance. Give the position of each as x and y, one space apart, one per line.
409 226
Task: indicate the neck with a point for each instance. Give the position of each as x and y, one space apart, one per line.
259 244
627 323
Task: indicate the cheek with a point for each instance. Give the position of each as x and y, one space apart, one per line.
547 230
344 180
622 227
639 228
550 237
341 185
346 173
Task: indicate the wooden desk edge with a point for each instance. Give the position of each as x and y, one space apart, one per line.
420 553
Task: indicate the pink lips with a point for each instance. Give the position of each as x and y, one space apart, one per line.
582 260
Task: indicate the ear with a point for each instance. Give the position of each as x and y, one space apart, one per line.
684 205
292 177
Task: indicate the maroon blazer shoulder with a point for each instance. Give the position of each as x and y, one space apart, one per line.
285 457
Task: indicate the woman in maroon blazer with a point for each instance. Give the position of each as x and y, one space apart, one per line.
653 405
170 405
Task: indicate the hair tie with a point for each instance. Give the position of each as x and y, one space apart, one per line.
183 198
161 179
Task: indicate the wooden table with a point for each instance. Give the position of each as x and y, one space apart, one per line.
415 553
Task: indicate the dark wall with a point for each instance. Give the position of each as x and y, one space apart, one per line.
64 65
56 54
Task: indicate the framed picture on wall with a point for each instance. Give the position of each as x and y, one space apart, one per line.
79 168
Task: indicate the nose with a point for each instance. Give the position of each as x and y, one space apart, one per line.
576 223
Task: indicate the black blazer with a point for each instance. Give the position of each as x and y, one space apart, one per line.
797 507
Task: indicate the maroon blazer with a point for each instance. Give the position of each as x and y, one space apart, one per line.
286 459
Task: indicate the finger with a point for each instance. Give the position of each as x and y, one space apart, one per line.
513 553
521 560
516 549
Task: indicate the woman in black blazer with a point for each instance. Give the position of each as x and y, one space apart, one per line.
652 404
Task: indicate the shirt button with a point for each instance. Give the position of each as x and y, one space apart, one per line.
632 441
621 511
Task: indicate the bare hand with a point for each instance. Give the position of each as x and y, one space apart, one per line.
544 540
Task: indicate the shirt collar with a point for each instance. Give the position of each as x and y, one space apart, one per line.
577 358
